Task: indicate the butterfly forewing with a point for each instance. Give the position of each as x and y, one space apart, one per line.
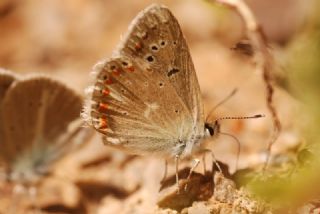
155 36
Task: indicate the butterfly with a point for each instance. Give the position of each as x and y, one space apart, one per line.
146 98
39 124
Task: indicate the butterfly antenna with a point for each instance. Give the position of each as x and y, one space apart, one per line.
216 126
241 118
233 92
230 135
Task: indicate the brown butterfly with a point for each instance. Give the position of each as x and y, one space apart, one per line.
39 124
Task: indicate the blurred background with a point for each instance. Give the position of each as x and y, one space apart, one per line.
64 39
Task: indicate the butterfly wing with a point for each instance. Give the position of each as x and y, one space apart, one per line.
156 34
138 103
6 79
37 113
131 106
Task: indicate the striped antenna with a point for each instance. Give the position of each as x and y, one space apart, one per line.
241 118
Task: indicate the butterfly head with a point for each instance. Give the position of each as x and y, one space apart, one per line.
212 129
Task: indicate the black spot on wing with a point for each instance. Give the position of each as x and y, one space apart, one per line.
172 71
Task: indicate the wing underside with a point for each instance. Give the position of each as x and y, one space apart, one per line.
147 97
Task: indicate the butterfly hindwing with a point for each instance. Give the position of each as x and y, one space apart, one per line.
126 106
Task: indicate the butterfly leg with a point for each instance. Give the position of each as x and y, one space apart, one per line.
165 171
177 170
194 165
204 163
213 158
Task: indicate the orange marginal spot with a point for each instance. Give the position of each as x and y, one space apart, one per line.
108 81
116 72
131 69
103 106
103 123
105 92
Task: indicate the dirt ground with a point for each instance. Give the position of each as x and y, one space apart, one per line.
64 39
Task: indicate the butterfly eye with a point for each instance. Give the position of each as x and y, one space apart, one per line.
161 84
174 43
210 129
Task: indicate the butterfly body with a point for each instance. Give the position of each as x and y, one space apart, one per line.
146 98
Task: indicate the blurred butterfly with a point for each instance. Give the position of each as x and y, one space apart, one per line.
146 99
38 125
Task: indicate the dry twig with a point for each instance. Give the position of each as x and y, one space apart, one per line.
264 61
